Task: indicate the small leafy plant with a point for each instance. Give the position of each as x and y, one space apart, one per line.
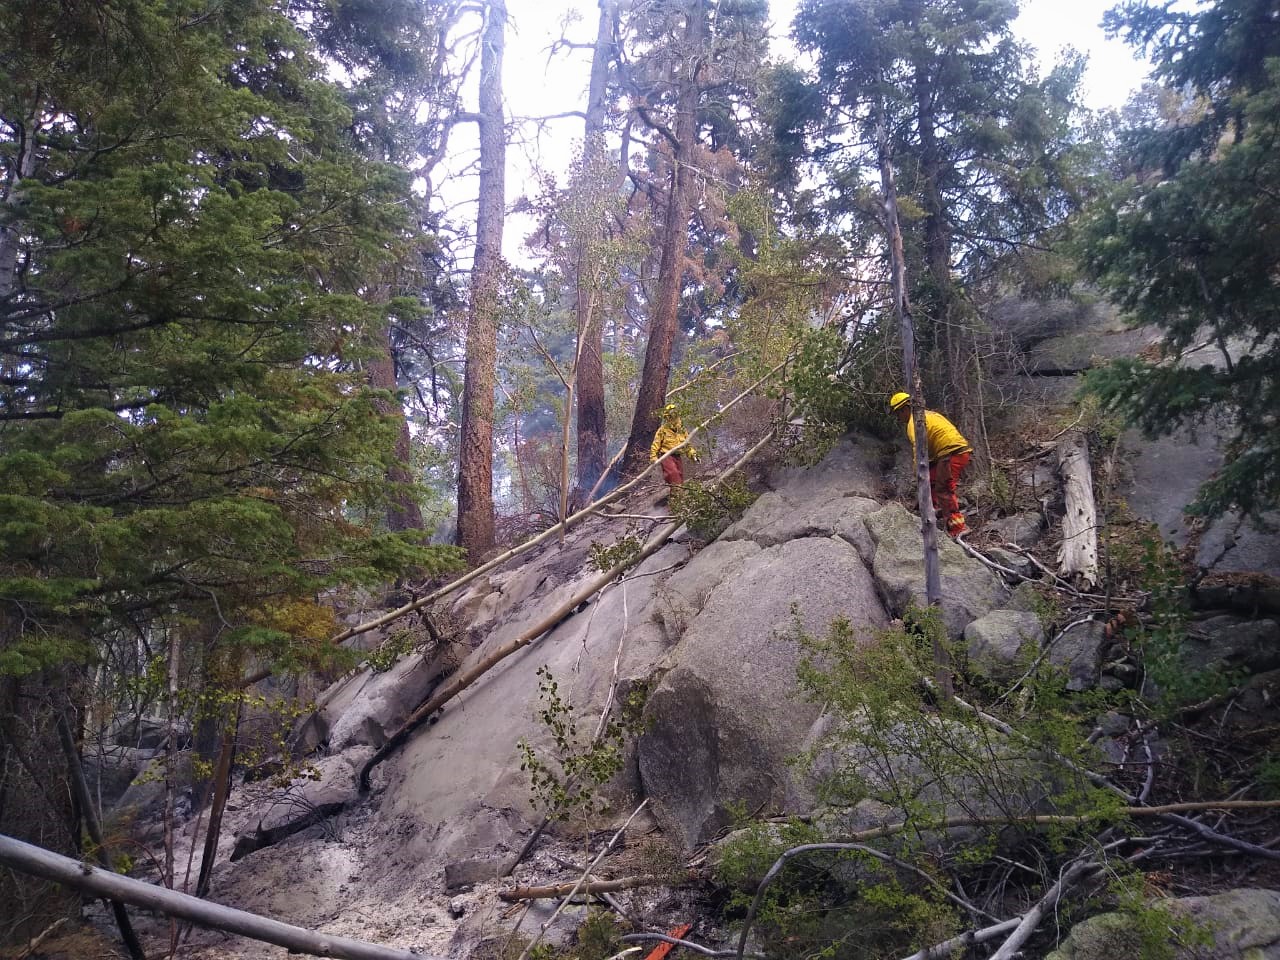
565 782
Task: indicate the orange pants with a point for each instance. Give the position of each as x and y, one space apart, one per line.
673 470
945 502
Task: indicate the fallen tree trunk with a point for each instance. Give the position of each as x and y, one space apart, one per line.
1079 550
516 894
38 862
466 678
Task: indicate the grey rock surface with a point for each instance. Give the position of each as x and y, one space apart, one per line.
728 715
460 784
816 501
1164 476
1000 641
1242 924
467 873
969 589
1023 529
1078 653
1233 643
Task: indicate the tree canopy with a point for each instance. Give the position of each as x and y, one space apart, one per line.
1190 242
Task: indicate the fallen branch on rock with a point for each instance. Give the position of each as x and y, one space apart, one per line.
591 888
1031 919
38 862
1099 780
463 679
582 880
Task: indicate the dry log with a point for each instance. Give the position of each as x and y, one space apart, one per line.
38 862
460 681
516 894
1079 551
613 841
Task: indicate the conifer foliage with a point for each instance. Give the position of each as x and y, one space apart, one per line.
186 234
1191 241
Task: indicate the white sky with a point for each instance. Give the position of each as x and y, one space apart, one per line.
537 85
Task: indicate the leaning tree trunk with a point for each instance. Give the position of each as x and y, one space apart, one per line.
911 380
592 440
475 460
675 236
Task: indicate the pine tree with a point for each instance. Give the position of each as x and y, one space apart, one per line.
981 149
187 235
1191 241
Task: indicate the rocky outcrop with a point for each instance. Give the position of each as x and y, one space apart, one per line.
1237 925
728 716
969 589
1002 641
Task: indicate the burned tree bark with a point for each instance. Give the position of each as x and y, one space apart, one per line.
592 440
475 459
403 512
675 237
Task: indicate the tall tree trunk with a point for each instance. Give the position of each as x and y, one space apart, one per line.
171 756
592 439
403 512
675 237
911 381
9 228
475 460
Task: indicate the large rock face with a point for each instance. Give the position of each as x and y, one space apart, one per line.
709 635
727 715
969 589
1239 925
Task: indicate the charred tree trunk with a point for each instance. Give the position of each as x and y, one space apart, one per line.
675 237
403 512
592 439
81 788
911 379
475 460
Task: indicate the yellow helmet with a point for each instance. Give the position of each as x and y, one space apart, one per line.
669 410
899 400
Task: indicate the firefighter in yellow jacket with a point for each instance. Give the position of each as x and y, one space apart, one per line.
670 435
949 454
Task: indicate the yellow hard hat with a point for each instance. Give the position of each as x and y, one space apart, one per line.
669 410
899 400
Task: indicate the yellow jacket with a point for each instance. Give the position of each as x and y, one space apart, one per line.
942 436
668 436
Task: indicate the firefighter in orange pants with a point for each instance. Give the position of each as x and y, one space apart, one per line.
949 454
